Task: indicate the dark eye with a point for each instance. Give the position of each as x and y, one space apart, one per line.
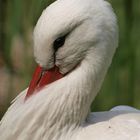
59 42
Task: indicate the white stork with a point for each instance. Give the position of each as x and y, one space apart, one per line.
74 42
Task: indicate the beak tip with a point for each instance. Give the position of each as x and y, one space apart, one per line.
41 78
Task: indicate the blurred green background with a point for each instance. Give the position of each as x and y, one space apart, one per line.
17 20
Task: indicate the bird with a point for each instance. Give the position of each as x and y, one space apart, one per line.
74 43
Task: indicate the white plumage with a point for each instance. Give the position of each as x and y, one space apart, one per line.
60 111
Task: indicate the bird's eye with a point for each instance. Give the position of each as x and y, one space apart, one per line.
59 42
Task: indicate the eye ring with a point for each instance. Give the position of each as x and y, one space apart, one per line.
59 42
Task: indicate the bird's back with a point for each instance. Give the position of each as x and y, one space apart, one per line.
112 125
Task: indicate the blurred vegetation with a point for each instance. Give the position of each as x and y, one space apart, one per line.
17 19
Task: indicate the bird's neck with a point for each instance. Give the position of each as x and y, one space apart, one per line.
65 103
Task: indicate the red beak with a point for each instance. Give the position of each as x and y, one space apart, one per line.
42 78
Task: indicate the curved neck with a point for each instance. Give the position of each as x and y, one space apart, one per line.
63 106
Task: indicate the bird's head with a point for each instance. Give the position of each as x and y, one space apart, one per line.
66 32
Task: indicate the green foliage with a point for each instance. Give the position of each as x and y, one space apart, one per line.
121 85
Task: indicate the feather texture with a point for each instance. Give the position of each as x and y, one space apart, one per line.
61 110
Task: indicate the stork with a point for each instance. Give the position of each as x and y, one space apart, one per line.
74 42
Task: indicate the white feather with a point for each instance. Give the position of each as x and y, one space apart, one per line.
60 111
